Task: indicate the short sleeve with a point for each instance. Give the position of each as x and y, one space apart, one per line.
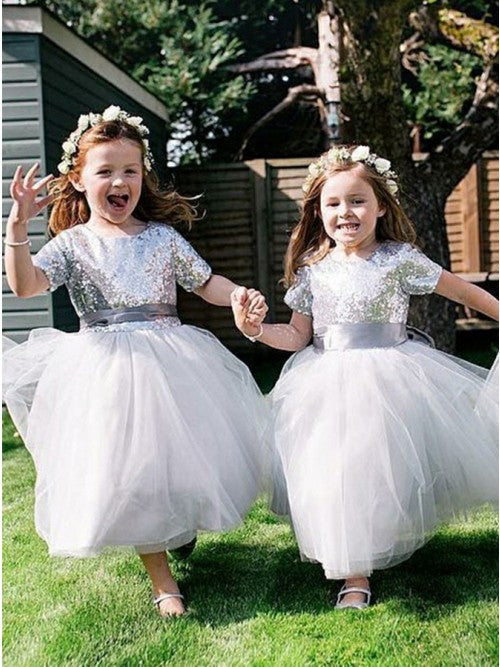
53 260
299 296
191 271
418 273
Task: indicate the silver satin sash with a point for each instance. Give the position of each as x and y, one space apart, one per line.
147 312
359 335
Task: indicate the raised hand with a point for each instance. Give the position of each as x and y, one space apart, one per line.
24 192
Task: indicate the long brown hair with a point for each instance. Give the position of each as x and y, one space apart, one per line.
309 242
70 206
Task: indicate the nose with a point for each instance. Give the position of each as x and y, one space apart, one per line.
343 210
118 180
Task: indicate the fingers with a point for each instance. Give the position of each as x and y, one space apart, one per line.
45 201
19 184
257 303
16 182
28 179
239 295
249 305
42 183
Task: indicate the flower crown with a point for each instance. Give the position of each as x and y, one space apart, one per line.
342 154
86 121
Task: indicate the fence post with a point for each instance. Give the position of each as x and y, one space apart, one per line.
259 172
471 201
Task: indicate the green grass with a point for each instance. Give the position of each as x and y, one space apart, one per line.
251 600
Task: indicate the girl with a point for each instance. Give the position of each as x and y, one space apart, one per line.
378 436
143 431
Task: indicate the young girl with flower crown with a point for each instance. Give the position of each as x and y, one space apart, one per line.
380 437
143 430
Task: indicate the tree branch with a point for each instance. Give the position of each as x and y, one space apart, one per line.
278 60
452 159
456 29
412 53
303 91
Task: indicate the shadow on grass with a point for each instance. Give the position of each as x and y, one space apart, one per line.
229 583
451 570
10 437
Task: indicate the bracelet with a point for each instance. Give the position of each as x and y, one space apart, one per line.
15 244
258 335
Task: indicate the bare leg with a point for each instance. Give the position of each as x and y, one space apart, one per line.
356 582
162 581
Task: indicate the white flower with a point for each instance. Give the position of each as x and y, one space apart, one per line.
314 169
147 163
135 121
382 165
69 147
111 113
63 167
360 153
392 185
94 118
334 155
83 122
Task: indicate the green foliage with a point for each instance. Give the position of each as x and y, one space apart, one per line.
445 85
178 51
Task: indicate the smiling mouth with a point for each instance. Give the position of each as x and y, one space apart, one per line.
348 226
118 202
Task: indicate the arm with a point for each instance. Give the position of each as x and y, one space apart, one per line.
291 337
23 277
454 288
217 290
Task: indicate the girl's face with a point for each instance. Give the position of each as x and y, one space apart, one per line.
111 179
349 209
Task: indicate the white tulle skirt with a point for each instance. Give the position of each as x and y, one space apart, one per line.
140 438
377 448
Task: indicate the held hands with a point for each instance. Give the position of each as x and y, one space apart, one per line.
249 310
24 192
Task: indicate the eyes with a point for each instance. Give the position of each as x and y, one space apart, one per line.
357 201
107 172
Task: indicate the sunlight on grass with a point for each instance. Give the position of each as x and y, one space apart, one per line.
251 600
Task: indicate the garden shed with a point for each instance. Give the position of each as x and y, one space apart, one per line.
50 77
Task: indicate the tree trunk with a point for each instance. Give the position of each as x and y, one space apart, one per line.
370 91
327 78
433 314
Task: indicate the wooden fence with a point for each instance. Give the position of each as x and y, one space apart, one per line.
251 207
472 222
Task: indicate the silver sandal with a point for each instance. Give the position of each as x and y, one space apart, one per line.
353 605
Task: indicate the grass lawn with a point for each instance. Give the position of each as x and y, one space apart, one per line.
252 602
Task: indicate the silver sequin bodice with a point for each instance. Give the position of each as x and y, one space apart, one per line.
119 272
376 289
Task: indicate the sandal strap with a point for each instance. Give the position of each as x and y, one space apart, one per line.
166 596
354 589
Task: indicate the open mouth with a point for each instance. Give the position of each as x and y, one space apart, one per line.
348 226
118 202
